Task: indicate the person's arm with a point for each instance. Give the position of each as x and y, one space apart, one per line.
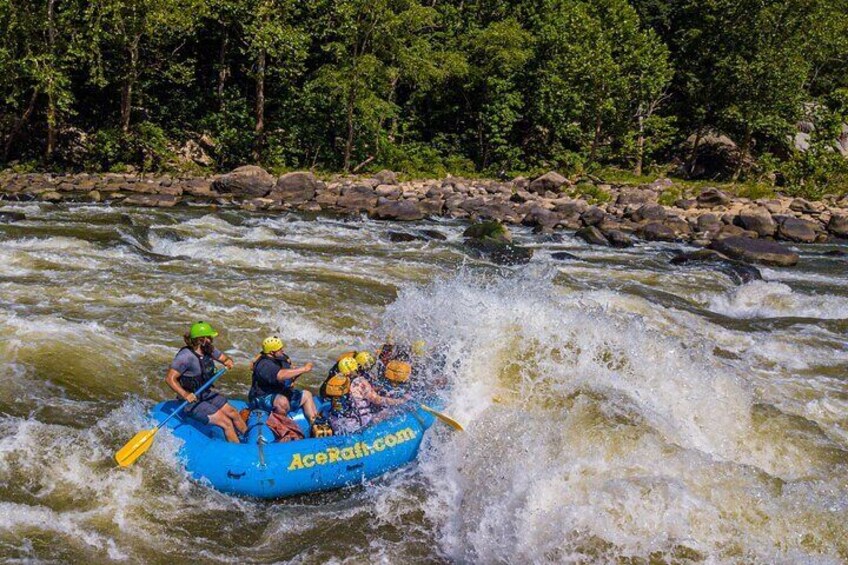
371 395
172 380
293 374
226 361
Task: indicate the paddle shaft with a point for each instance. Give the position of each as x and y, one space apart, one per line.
206 385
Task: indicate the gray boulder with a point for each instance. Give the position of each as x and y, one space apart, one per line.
794 229
650 212
838 225
549 181
296 188
357 198
755 251
386 177
403 210
655 231
758 220
249 180
712 197
591 234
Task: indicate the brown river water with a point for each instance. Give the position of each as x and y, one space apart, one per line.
617 408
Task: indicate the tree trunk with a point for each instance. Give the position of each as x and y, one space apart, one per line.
19 125
223 69
640 147
51 98
596 140
127 89
743 154
259 139
348 151
693 156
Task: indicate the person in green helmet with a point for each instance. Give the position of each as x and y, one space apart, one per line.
193 365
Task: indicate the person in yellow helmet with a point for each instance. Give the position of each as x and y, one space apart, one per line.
364 361
272 388
353 401
193 365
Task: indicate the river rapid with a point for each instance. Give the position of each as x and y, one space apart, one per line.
617 408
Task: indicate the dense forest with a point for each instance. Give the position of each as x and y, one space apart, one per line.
427 86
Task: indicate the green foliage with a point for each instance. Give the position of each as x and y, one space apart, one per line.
589 192
428 88
145 146
670 195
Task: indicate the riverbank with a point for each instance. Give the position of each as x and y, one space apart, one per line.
600 213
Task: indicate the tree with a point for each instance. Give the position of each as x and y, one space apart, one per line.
122 30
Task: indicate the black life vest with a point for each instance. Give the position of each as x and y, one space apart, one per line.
259 387
207 371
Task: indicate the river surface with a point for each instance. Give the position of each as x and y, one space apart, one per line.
617 408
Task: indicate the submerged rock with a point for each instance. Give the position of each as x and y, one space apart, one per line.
12 216
488 230
755 251
591 234
494 241
741 273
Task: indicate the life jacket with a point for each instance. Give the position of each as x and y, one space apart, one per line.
342 402
392 379
258 388
207 371
398 371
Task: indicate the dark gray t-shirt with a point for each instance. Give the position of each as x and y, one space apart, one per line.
187 364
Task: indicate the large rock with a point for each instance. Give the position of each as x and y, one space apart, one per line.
650 212
249 180
386 177
592 216
757 220
755 251
591 234
296 188
541 217
618 238
655 231
549 181
712 197
494 231
793 229
403 210
741 273
357 198
636 196
838 225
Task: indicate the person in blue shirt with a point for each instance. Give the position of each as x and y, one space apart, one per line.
193 365
274 376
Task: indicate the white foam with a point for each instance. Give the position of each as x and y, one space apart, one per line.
761 299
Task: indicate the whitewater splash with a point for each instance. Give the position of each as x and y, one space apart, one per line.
593 437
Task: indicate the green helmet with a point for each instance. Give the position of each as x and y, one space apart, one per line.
201 329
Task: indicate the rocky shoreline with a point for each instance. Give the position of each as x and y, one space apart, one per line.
600 213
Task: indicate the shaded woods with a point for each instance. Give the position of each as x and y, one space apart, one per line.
428 87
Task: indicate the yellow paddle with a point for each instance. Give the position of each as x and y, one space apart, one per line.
444 418
141 442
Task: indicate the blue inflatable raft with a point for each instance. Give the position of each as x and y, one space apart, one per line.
262 468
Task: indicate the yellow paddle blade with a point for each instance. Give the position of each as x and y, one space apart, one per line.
444 418
135 448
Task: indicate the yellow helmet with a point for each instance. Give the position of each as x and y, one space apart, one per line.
364 359
419 347
272 344
348 365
